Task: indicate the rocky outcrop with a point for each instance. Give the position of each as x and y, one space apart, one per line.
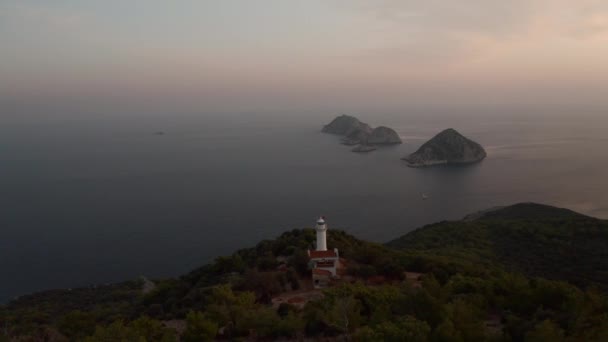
358 136
383 135
345 125
447 147
356 132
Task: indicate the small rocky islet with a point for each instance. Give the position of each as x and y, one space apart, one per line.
358 133
364 148
447 147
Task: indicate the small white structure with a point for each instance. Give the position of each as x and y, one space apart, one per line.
324 263
321 234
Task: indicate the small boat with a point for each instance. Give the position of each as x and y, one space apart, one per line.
424 196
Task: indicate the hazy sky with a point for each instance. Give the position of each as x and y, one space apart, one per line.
279 54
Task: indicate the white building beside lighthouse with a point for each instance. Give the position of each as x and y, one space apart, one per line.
324 263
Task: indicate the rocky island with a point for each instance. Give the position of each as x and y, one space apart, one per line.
345 125
383 135
447 147
359 133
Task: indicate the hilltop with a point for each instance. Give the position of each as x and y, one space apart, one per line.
534 239
522 272
525 211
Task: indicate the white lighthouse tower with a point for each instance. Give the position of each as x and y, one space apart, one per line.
325 264
321 234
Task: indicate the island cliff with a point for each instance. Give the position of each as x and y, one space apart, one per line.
447 147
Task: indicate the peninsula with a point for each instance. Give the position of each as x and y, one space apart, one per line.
518 273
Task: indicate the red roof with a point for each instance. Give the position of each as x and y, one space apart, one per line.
320 272
322 254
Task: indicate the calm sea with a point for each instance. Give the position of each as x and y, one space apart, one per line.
98 199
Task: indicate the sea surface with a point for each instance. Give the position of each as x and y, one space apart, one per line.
96 199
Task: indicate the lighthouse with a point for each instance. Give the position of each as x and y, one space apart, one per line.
325 264
321 234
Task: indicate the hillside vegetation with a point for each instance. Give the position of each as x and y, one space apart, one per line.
521 273
533 239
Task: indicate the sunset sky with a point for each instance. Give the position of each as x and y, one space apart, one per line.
276 54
